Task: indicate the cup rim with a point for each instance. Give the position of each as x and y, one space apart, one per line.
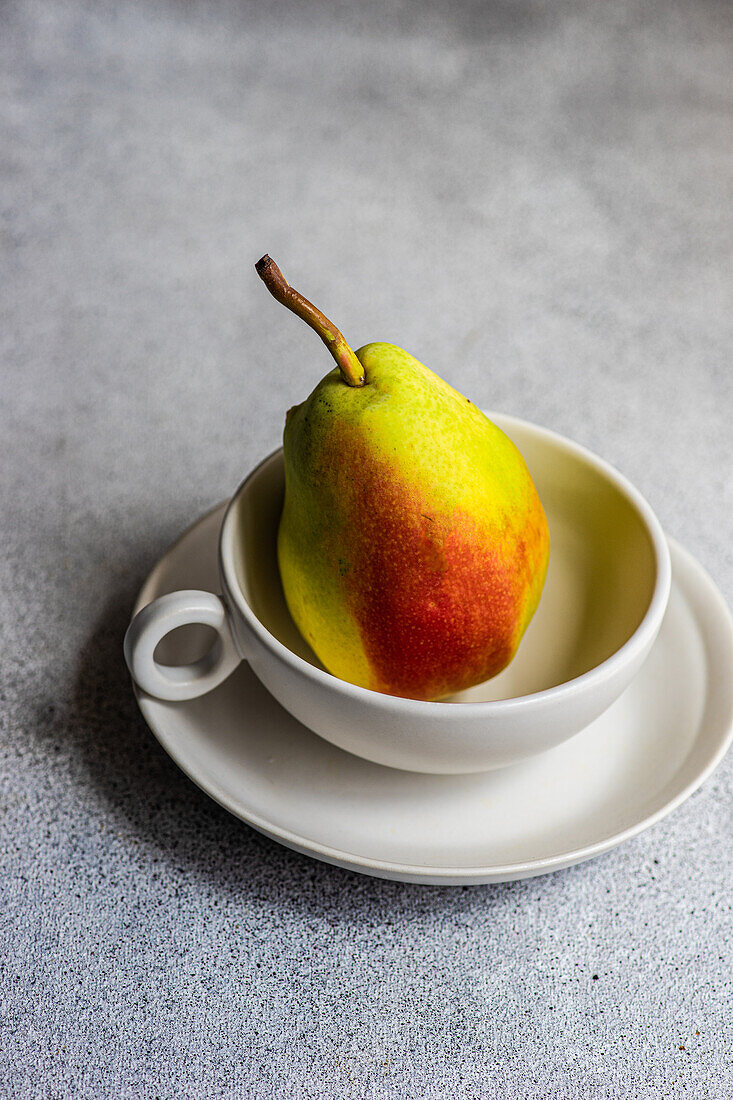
642 636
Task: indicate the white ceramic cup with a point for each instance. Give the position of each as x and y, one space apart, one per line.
604 599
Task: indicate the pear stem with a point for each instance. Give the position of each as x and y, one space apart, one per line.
351 369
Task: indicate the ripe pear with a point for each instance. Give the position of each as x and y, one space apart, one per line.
413 546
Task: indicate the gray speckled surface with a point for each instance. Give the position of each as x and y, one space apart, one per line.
536 200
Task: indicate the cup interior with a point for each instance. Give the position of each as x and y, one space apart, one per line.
600 582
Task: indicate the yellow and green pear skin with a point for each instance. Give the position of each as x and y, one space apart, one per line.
413 546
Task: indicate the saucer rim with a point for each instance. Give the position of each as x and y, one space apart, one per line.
435 875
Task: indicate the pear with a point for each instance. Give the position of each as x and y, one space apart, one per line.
413 546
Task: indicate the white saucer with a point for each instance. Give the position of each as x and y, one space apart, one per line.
632 766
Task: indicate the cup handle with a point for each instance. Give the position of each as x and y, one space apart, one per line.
153 622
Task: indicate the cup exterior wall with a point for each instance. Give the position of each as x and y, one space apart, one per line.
458 739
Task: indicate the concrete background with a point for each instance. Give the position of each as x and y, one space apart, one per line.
535 199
